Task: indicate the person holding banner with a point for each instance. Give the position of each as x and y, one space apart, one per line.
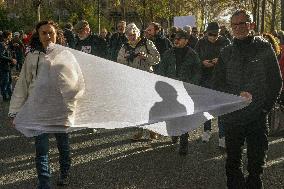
248 67
46 34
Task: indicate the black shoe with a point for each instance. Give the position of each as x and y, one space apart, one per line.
63 180
44 185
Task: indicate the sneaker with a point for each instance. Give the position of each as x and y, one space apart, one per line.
137 136
222 142
63 180
153 135
206 136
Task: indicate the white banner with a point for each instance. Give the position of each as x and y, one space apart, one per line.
111 95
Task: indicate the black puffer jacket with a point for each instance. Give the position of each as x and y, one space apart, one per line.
248 65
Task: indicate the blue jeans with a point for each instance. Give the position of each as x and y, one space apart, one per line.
6 83
207 127
42 163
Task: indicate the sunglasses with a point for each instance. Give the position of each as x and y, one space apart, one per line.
213 34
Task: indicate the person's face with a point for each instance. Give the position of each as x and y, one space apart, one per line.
151 31
194 32
240 26
132 37
103 33
47 35
213 36
121 27
180 42
85 32
9 38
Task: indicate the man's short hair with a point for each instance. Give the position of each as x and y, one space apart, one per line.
156 25
242 11
81 25
69 26
6 34
122 22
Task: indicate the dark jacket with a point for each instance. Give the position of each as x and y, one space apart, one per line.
117 40
192 41
5 57
90 45
249 65
186 69
162 43
70 38
208 51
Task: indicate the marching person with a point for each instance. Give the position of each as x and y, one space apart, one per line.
139 53
181 63
6 63
208 48
46 33
248 67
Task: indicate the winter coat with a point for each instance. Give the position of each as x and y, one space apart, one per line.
249 65
5 57
208 51
90 45
144 46
116 41
189 66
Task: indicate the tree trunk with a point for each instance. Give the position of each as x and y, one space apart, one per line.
282 15
273 19
263 15
258 15
254 10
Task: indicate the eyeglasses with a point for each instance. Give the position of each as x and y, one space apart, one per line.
240 24
213 34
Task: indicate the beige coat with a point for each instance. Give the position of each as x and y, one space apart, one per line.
152 56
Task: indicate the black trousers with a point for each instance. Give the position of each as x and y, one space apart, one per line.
255 135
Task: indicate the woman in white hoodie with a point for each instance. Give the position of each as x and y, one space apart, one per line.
46 34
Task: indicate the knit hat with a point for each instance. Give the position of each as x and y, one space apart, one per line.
213 27
182 34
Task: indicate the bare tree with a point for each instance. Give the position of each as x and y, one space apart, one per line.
273 19
282 14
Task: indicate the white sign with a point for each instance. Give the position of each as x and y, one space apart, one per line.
181 21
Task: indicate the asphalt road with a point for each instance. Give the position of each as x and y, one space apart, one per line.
108 159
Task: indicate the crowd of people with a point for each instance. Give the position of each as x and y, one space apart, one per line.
240 62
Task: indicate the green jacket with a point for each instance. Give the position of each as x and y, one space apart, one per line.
190 66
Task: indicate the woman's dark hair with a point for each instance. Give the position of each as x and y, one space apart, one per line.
35 41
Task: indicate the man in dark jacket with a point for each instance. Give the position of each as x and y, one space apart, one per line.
181 63
6 61
117 40
154 33
248 67
86 41
69 35
208 48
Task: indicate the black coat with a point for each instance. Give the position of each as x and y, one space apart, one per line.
251 66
